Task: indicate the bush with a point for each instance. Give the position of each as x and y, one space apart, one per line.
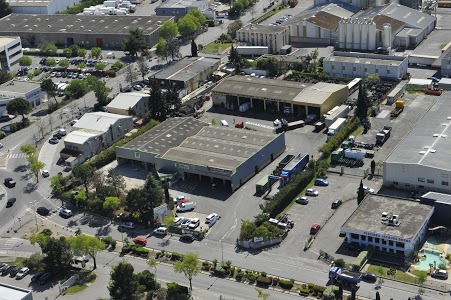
340 263
141 251
113 244
304 292
263 281
107 240
239 276
220 271
286 284
317 289
251 278
232 271
263 274
360 260
176 256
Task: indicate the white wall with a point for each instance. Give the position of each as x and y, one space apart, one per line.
53 7
13 51
274 40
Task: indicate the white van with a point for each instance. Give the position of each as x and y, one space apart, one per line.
224 123
110 55
211 218
187 206
161 231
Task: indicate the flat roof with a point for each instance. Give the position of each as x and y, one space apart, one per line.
33 3
19 86
364 59
260 88
252 28
181 4
325 19
168 134
419 81
80 24
4 40
368 216
219 147
341 10
9 292
186 68
316 94
126 100
80 136
429 142
98 121
437 197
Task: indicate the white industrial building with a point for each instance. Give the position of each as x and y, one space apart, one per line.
388 26
446 64
10 51
29 90
9 292
43 7
136 103
179 8
391 225
93 133
420 162
354 64
274 37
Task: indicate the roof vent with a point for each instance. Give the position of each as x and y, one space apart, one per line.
422 152
444 136
49 25
432 150
436 135
244 137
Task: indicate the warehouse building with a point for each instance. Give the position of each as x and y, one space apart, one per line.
354 64
445 63
392 225
187 74
43 7
420 162
130 104
188 148
29 90
10 292
274 37
10 51
279 96
85 31
179 8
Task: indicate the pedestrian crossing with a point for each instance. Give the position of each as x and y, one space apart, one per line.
7 244
184 187
14 155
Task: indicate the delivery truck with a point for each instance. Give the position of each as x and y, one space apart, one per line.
347 277
335 127
337 112
295 166
383 135
283 125
259 127
262 185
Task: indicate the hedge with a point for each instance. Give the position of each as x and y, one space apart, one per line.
318 289
286 284
251 278
335 141
176 256
263 281
304 292
239 276
141 251
360 260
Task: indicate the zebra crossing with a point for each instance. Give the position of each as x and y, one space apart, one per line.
7 244
14 155
184 187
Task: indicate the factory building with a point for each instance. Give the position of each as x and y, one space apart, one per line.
274 37
179 8
29 90
42 7
10 51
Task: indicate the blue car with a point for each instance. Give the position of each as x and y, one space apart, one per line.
321 182
435 79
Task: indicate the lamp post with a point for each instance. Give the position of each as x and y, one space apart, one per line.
222 252
33 203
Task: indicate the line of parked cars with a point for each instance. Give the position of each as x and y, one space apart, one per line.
13 271
281 20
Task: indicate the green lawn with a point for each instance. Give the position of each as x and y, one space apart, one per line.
214 48
269 14
76 288
399 275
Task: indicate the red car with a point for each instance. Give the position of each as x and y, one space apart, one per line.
140 241
314 229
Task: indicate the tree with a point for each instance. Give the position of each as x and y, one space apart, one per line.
189 266
57 254
80 197
34 262
81 52
130 75
96 52
234 56
143 67
111 203
100 65
422 276
67 52
48 86
86 244
372 79
64 63
74 48
76 88
123 284
81 65
135 42
198 15
101 91
162 49
362 103
169 30
234 27
262 295
5 75
25 61
340 263
18 106
193 48
49 49
172 99
187 25
56 183
35 166
353 292
5 9
248 228
360 193
152 263
373 166
378 297
50 62
115 179
85 174
28 149
157 104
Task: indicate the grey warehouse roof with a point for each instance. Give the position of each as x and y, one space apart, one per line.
260 88
220 147
437 197
365 58
9 292
80 24
368 216
186 69
19 86
127 100
429 141
33 3
341 10
263 29
180 4
98 121
166 135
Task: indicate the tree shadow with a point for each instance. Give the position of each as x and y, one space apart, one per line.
21 168
30 188
103 231
72 223
40 113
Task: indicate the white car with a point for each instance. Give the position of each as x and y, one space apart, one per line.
311 192
137 87
22 273
128 225
53 74
179 198
185 223
194 223
45 173
368 190
65 212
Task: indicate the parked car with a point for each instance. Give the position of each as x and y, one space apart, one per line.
161 231
211 218
13 272
44 278
7 269
43 211
178 220
22 273
302 200
178 198
187 206
354 247
368 190
45 173
187 238
65 212
140 241
72 123
336 203
137 87
128 225
371 277
36 276
314 229
441 274
9 182
53 140
10 202
185 223
194 223
321 182
311 192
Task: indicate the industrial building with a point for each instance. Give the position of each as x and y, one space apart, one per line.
274 37
85 31
43 7
9 292
187 74
179 8
188 148
354 64
420 162
29 90
391 225
278 96
10 51
318 26
130 104
445 64
442 207
92 133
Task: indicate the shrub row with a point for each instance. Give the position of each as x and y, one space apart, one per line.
286 284
135 249
360 260
336 141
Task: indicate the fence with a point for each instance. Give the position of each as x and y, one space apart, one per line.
349 171
258 245
71 281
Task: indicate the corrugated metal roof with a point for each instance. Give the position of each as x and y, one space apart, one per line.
324 20
99 121
126 100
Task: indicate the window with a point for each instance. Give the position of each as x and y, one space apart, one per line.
354 69
388 71
343 68
390 243
395 182
445 183
377 240
366 70
384 241
370 239
333 67
430 180
354 236
377 70
420 179
399 245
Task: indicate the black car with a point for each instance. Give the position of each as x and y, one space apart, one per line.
43 211
36 276
187 238
53 140
9 182
10 202
14 271
44 278
43 61
5 270
371 277
4 267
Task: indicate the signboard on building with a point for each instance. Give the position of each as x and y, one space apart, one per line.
160 212
386 237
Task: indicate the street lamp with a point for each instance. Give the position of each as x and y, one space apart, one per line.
33 204
222 252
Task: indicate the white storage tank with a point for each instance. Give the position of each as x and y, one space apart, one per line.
341 34
357 31
364 35
349 34
386 36
371 35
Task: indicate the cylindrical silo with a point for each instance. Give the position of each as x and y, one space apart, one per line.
371 35
386 36
341 34
349 25
364 35
356 31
